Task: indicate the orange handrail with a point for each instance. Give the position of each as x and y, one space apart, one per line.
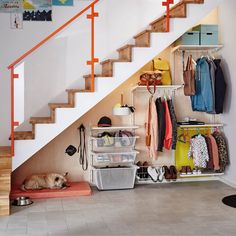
51 35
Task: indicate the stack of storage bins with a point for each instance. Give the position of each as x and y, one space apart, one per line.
113 159
200 35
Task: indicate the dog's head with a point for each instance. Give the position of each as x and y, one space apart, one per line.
60 180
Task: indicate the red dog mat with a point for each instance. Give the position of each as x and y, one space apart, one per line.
76 189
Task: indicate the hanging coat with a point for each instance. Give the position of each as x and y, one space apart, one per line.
168 132
203 98
220 87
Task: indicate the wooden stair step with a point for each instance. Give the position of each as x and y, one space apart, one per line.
107 66
23 135
125 52
41 120
159 25
5 151
4 203
60 105
143 39
179 10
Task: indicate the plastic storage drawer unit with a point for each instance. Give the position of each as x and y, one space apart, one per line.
115 157
190 38
208 34
114 178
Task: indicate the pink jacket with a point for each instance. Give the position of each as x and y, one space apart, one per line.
215 153
151 129
168 133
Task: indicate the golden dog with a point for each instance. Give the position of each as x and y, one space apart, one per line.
45 181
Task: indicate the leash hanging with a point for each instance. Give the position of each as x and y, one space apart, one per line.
82 148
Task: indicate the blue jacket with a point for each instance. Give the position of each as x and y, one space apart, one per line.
203 98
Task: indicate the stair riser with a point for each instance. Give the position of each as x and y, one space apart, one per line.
4 206
107 69
88 83
179 11
5 163
143 40
125 54
160 25
71 98
5 182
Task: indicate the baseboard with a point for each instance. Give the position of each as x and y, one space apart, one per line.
225 181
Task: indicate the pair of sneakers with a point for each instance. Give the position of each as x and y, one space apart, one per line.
156 173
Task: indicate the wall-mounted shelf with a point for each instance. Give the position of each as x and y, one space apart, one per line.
201 126
159 87
115 127
200 175
196 48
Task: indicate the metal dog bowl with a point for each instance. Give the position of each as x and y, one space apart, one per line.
22 201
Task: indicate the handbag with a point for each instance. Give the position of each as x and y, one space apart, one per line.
189 78
150 78
163 66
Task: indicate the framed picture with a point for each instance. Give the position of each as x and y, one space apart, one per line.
16 20
37 10
63 2
11 6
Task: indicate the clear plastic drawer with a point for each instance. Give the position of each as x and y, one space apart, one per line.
114 157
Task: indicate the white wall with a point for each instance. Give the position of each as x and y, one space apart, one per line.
61 63
228 32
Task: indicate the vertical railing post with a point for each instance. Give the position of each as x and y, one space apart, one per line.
93 59
13 123
167 5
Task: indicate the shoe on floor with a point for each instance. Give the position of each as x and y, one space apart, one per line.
167 173
189 170
152 173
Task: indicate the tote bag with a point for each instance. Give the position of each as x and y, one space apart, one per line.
189 78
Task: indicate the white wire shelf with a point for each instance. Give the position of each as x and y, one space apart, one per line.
158 87
201 126
196 48
200 175
114 127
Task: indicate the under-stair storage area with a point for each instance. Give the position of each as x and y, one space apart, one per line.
119 121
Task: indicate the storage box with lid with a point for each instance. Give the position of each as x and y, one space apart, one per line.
189 38
208 34
111 178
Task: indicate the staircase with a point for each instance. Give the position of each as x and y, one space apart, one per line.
147 44
5 179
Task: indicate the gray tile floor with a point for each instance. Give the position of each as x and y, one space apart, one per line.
167 209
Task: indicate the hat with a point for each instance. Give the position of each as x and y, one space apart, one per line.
104 122
71 150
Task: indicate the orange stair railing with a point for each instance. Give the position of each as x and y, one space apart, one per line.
167 5
91 62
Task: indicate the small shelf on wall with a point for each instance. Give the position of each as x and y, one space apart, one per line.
115 127
201 126
196 48
158 87
200 175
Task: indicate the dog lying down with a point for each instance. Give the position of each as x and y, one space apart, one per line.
45 181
